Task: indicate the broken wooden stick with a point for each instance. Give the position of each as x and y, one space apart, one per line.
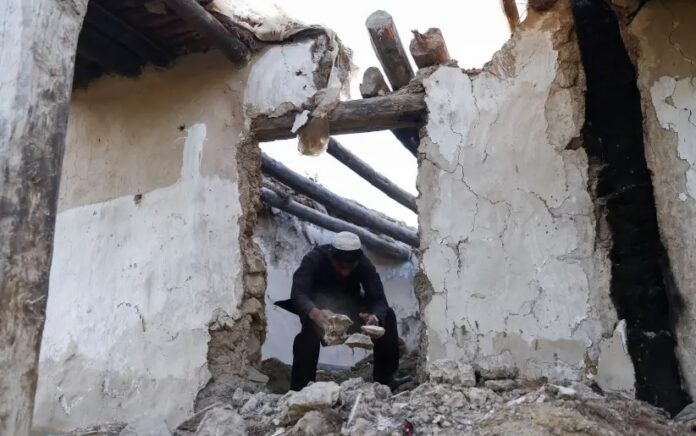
389 49
511 13
392 56
356 213
373 83
205 23
378 244
353 116
429 48
376 179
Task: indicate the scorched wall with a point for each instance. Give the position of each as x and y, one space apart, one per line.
663 38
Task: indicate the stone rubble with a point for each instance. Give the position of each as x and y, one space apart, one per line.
453 402
358 340
448 404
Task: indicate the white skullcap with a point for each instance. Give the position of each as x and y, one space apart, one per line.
346 241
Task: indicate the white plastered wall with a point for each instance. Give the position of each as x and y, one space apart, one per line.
147 247
284 241
519 276
663 38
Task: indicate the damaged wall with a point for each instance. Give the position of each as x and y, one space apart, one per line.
662 37
284 240
157 288
518 274
147 245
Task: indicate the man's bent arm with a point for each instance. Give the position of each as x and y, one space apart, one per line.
303 285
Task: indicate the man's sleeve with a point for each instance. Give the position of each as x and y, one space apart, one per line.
375 299
303 284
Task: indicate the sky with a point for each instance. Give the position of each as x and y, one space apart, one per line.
473 31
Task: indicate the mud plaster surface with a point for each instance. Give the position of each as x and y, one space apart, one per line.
517 275
147 246
664 42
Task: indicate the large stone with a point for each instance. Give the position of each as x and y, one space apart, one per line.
315 422
452 372
222 421
317 396
335 329
373 331
358 340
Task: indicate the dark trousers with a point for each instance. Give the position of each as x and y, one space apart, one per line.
305 351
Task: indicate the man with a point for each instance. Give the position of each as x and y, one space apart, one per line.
329 281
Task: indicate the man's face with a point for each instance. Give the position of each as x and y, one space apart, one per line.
343 269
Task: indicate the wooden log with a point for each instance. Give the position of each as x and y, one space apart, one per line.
201 20
122 32
353 116
369 239
352 211
373 83
389 49
511 13
38 54
429 48
376 179
107 53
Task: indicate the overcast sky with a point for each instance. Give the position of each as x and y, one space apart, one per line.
473 30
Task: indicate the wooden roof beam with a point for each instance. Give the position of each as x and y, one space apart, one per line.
205 23
394 60
123 33
364 170
353 116
348 209
381 245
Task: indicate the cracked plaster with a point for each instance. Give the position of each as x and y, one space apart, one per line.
508 235
662 37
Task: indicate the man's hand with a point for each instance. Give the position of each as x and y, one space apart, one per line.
369 319
320 316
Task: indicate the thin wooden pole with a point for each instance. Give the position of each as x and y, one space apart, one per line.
372 241
368 173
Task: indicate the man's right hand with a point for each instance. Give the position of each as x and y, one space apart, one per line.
320 316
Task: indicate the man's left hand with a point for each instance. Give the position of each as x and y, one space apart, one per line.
369 319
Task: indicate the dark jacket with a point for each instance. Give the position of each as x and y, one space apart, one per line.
316 284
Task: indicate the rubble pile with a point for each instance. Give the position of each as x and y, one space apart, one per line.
457 400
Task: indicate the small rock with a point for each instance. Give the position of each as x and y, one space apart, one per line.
317 396
478 397
452 372
315 422
373 331
362 427
500 385
111 429
335 329
222 421
499 373
358 340
146 426
687 414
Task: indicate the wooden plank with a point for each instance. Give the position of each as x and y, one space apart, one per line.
389 49
368 173
429 48
201 20
349 210
38 55
122 32
353 116
511 13
369 239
